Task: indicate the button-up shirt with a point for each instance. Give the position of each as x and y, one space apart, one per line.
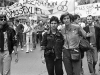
71 37
92 38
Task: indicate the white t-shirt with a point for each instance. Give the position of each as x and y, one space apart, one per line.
34 28
27 28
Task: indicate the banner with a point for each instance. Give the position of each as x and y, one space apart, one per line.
40 7
88 9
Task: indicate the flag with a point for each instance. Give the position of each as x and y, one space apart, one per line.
65 6
51 11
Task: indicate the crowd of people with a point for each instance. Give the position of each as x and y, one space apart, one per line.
59 40
62 43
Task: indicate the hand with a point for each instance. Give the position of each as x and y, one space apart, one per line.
43 60
42 47
89 34
16 58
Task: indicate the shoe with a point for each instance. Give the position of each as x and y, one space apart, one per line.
92 74
12 51
27 51
34 48
31 50
22 49
82 72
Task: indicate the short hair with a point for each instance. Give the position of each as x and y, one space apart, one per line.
90 16
17 20
54 18
76 16
66 14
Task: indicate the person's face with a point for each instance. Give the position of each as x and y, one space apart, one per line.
28 24
66 20
41 22
77 20
35 21
89 20
10 24
2 22
54 25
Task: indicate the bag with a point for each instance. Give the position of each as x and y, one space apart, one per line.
75 54
49 52
84 45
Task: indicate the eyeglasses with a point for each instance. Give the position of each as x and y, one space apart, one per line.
2 19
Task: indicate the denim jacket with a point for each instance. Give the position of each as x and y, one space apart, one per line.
11 35
12 41
53 42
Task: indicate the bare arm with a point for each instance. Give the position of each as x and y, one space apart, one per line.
83 33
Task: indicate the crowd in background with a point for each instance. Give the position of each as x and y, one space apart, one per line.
58 38
30 34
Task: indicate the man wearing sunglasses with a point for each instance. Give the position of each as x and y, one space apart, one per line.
8 43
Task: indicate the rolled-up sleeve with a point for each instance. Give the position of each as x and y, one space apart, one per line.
82 32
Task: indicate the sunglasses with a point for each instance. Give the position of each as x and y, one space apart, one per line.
2 19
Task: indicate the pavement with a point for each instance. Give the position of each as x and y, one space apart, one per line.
31 64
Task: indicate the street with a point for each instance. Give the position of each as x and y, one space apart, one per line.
31 64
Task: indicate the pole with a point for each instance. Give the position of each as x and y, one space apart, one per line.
3 4
74 7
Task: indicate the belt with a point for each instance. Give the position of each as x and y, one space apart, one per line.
5 50
93 45
71 48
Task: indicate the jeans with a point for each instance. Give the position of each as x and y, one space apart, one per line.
92 58
24 38
28 42
5 63
71 67
39 36
20 39
34 39
54 67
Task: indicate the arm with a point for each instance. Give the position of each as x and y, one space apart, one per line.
82 32
14 42
29 29
43 47
22 28
44 41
